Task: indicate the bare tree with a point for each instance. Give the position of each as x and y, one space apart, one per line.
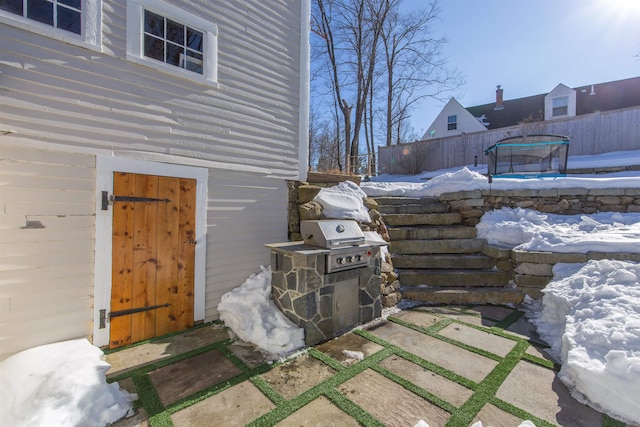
367 47
351 30
414 67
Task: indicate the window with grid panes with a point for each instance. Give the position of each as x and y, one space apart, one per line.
63 14
172 42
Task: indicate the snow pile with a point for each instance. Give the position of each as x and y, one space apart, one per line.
251 314
591 319
466 179
61 384
531 230
343 201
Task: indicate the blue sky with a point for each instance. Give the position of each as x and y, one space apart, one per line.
529 46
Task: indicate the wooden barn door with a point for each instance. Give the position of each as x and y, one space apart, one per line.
153 256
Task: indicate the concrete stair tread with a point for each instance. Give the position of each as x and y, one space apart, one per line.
471 261
426 232
423 219
398 200
462 295
437 246
453 278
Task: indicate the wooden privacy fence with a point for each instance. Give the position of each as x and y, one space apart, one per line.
594 133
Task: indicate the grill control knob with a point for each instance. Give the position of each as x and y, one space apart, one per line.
340 260
358 258
349 258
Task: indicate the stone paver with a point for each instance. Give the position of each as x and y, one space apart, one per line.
538 391
399 407
297 376
479 339
248 353
539 352
492 416
349 342
133 357
469 365
467 317
181 379
236 406
419 318
445 389
494 312
319 413
526 330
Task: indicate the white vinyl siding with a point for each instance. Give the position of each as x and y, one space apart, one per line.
107 104
243 214
47 241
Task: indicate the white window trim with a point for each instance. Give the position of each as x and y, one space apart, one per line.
91 33
105 167
135 39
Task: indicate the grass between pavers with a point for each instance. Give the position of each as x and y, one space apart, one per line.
483 392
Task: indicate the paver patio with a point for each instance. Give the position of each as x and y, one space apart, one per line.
448 366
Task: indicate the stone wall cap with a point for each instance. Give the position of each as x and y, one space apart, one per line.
297 247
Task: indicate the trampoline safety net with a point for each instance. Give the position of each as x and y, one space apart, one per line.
528 156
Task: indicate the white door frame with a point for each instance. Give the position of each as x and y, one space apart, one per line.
105 167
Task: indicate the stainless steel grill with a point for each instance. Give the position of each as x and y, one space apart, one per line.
343 238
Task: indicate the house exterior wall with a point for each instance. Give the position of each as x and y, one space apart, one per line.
465 122
64 104
46 246
589 134
560 91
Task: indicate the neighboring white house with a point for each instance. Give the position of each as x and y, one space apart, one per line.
145 149
454 119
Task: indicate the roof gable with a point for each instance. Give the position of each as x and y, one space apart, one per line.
597 97
465 121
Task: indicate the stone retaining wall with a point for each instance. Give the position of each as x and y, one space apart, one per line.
532 271
564 201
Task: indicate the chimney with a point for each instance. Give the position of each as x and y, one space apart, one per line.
499 99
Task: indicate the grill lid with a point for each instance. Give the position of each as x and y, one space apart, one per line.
331 233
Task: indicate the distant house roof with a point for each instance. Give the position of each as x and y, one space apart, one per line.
597 97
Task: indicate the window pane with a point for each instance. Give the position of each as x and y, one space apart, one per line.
560 102
153 48
13 6
40 10
76 4
174 55
194 39
194 62
153 24
175 32
69 20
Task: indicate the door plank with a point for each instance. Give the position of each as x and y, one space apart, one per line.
122 262
167 256
186 261
144 258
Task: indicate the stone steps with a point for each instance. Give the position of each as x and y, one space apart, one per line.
463 296
432 232
455 278
444 261
438 259
437 246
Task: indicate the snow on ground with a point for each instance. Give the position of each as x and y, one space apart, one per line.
60 384
251 314
534 231
591 319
